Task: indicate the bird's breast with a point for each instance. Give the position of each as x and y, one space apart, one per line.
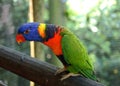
55 43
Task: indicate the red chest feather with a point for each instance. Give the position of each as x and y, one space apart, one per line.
55 43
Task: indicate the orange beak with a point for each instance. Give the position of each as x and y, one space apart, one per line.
20 38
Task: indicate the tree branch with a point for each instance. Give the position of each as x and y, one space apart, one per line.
37 71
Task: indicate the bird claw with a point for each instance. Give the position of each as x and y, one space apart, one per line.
68 75
60 71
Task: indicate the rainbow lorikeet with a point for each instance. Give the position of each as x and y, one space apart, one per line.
64 44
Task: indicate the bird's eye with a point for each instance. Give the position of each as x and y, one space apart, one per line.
26 32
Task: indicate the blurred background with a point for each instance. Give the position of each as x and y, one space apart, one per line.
95 22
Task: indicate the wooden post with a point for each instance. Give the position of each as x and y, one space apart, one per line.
32 44
36 15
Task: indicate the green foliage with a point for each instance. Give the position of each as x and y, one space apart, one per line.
110 72
13 14
99 30
20 12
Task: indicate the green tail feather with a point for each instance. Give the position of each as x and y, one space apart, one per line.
88 74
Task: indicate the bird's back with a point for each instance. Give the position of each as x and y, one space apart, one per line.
76 55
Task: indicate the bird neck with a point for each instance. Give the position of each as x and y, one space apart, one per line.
53 39
41 30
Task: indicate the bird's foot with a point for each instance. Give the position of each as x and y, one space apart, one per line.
68 75
60 71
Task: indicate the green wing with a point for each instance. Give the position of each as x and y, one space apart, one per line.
75 54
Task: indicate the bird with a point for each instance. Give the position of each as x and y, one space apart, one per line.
64 44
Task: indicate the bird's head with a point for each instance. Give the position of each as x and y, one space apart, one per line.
31 32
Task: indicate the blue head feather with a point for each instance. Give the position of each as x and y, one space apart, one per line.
30 31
